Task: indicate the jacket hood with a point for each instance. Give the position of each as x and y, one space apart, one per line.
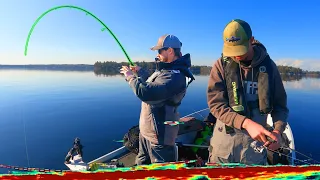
182 64
260 53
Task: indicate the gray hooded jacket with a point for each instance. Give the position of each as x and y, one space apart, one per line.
161 94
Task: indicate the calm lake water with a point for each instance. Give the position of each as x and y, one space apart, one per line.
57 106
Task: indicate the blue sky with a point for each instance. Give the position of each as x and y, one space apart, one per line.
290 31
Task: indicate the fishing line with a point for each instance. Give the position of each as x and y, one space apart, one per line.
289 156
195 112
24 133
105 27
178 122
199 114
288 148
25 141
87 12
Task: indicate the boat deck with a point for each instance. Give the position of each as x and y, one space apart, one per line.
187 134
128 160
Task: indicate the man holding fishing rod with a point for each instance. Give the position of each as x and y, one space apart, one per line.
161 95
244 86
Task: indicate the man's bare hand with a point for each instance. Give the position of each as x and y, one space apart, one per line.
126 71
276 145
135 68
258 132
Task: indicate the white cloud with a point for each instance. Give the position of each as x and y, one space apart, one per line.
310 65
303 84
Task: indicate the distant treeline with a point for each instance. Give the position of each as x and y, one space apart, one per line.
296 71
51 67
111 67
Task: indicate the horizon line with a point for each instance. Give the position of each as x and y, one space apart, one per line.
77 64
117 62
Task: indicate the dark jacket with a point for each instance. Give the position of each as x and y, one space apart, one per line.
218 101
161 94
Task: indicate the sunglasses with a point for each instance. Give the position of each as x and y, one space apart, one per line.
163 49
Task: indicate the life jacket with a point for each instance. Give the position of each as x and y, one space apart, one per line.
235 87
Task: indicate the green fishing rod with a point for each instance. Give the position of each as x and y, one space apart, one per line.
87 13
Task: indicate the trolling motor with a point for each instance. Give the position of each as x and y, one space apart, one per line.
77 148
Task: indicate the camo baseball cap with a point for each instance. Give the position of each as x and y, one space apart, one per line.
236 37
167 41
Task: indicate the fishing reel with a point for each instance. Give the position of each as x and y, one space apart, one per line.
157 61
257 147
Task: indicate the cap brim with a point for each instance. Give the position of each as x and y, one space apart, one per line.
235 50
154 48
